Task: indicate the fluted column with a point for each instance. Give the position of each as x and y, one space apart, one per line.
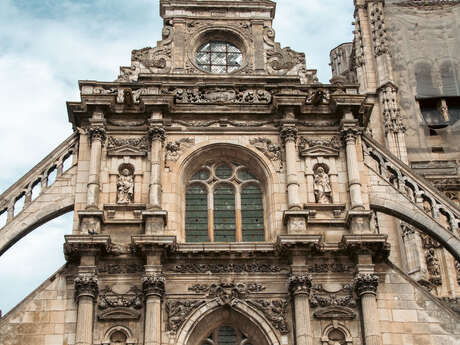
97 139
289 136
154 288
157 137
86 290
354 181
299 286
366 288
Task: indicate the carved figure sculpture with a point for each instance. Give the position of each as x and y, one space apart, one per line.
322 186
125 186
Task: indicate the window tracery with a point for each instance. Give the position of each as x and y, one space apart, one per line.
218 57
223 203
226 335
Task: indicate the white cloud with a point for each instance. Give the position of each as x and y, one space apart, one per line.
46 46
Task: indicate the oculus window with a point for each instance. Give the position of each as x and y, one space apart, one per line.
218 57
224 203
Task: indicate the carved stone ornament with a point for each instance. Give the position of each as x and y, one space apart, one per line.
428 5
433 266
379 34
178 311
457 268
115 306
333 267
335 313
275 311
322 186
228 268
320 147
120 268
366 283
300 284
222 95
349 134
175 148
157 133
322 298
85 284
318 96
153 284
227 292
268 148
125 184
221 123
127 146
393 120
97 133
288 134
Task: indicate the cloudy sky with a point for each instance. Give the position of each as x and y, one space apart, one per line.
46 46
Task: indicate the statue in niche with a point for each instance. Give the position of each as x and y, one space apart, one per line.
125 184
322 186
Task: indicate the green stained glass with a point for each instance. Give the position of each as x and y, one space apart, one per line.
252 214
223 171
224 214
202 174
245 175
226 336
196 214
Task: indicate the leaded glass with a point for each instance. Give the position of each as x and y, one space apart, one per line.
196 214
224 214
218 57
223 171
252 214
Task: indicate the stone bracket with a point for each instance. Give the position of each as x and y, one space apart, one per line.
78 245
374 244
145 244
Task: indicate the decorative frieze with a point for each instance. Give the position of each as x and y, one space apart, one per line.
153 284
85 284
127 146
275 311
330 267
116 306
178 311
300 284
222 95
366 283
320 297
221 122
228 268
120 268
226 292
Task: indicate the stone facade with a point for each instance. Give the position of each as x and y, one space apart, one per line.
223 195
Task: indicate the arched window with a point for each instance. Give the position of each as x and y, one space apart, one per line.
223 203
219 57
226 335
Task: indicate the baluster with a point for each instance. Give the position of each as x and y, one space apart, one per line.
28 196
60 167
10 211
43 182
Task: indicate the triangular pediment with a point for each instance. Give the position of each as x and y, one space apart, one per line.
319 151
126 150
335 313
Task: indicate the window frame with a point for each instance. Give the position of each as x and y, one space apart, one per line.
238 185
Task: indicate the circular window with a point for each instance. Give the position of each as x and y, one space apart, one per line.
219 57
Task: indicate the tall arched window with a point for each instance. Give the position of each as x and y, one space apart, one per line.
226 335
223 203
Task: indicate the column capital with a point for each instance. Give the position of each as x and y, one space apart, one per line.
86 285
97 133
349 134
153 284
288 133
366 283
157 132
300 284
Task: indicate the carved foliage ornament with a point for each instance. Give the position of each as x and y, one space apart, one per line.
153 284
222 95
86 285
97 133
322 298
178 311
366 283
221 122
175 148
333 267
300 284
227 268
110 299
133 144
271 150
288 134
227 292
275 311
157 133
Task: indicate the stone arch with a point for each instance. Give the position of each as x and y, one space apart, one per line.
263 167
325 339
212 314
400 208
56 201
126 331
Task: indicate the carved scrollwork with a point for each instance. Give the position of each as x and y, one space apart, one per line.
226 292
137 144
366 283
300 284
333 267
221 122
110 299
275 311
153 284
271 150
222 96
178 311
228 268
322 298
85 284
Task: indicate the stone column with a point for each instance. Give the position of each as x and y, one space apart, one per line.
153 285
354 181
366 288
86 290
299 286
97 138
157 137
289 136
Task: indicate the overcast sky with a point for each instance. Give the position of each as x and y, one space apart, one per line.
46 46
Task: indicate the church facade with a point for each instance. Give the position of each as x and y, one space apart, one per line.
222 195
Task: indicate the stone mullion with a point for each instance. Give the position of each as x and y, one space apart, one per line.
366 288
300 286
238 216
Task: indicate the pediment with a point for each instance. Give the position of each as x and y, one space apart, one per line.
119 314
319 151
126 150
335 312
